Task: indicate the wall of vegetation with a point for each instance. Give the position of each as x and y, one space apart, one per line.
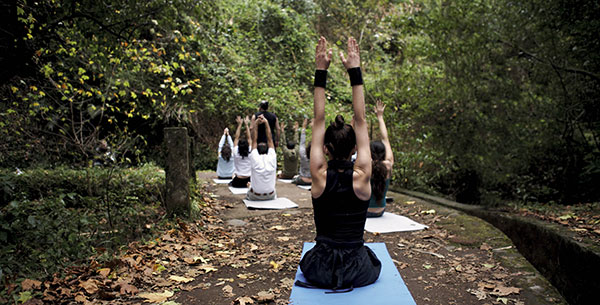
487 100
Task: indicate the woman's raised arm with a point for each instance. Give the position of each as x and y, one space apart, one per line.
318 163
362 165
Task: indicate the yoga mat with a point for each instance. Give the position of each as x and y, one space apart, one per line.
388 289
222 181
306 187
238 190
285 180
389 222
275 204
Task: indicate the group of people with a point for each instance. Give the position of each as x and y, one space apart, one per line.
349 175
252 162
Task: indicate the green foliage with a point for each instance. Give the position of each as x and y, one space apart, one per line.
57 218
486 99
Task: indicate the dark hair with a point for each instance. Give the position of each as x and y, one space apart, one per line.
264 105
262 148
291 144
243 148
340 139
226 151
308 151
379 173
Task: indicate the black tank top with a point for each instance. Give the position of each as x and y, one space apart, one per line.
261 134
339 215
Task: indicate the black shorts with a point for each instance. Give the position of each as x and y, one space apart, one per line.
239 182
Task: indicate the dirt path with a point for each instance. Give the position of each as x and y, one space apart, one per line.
253 255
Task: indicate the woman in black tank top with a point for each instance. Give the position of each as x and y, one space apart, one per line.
341 189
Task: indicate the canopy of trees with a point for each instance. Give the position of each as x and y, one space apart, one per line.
488 100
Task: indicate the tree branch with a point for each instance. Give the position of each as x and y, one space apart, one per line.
567 69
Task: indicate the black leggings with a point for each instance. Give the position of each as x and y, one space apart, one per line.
239 182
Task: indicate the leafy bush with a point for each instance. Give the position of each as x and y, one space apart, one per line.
59 217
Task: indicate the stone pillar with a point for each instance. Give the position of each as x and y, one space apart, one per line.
177 171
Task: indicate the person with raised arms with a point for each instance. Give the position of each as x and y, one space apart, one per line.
383 161
263 160
241 160
225 162
340 189
303 177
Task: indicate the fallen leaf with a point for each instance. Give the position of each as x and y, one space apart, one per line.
158 268
432 211
504 291
227 291
274 265
104 272
503 300
30 284
488 266
427 266
170 303
244 300
283 238
195 260
486 285
485 247
24 296
481 295
265 296
278 228
128 288
207 268
81 298
181 279
155 297
287 282
90 286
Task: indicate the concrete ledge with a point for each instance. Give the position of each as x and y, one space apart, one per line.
572 267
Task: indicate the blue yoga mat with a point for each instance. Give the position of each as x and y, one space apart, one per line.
388 289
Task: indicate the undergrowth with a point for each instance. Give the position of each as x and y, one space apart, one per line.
54 218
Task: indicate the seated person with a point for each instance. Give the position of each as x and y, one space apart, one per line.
263 163
340 189
290 154
303 177
241 160
383 160
225 164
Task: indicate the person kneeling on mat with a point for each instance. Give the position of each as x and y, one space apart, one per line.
340 189
263 162
241 161
383 161
225 163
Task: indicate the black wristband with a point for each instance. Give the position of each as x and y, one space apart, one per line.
320 78
355 76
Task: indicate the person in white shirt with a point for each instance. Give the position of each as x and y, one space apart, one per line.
241 158
225 164
264 165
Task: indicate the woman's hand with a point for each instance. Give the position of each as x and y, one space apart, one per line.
238 119
379 107
295 126
304 123
322 55
283 125
353 59
226 131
